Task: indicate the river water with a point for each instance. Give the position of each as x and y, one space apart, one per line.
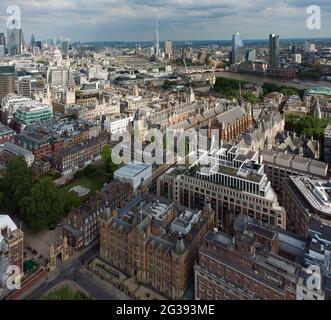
299 84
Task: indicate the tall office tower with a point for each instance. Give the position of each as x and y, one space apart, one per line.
65 45
33 40
168 48
157 40
24 86
14 41
294 49
274 51
7 80
2 39
2 44
237 49
309 47
250 55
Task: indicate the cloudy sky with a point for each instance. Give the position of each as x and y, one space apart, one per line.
100 20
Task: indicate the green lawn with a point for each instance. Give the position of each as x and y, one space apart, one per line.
66 293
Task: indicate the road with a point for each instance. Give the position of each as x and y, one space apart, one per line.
74 271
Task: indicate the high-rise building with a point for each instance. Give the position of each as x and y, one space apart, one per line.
24 86
14 39
33 40
7 81
157 40
309 47
2 45
250 55
294 48
65 45
274 51
237 49
2 39
168 48
2 50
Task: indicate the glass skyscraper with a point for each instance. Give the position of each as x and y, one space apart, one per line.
274 51
237 49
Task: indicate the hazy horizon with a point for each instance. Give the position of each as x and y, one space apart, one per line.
196 20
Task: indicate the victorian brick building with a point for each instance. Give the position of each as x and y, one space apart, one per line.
155 241
232 123
82 226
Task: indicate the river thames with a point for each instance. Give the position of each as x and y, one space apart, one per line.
299 84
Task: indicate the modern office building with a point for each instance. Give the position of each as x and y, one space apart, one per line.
237 53
13 150
14 41
232 180
168 48
274 51
250 55
7 80
2 39
135 174
59 76
281 165
305 199
33 111
24 86
155 242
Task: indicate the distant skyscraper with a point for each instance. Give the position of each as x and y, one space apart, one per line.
274 51
14 41
294 49
250 55
168 47
2 39
237 49
33 40
157 40
65 45
2 44
309 47
7 81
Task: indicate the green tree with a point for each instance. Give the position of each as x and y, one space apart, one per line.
106 155
251 97
44 206
16 185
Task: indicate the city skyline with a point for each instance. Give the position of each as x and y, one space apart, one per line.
133 20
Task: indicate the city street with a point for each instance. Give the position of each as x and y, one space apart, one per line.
77 272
